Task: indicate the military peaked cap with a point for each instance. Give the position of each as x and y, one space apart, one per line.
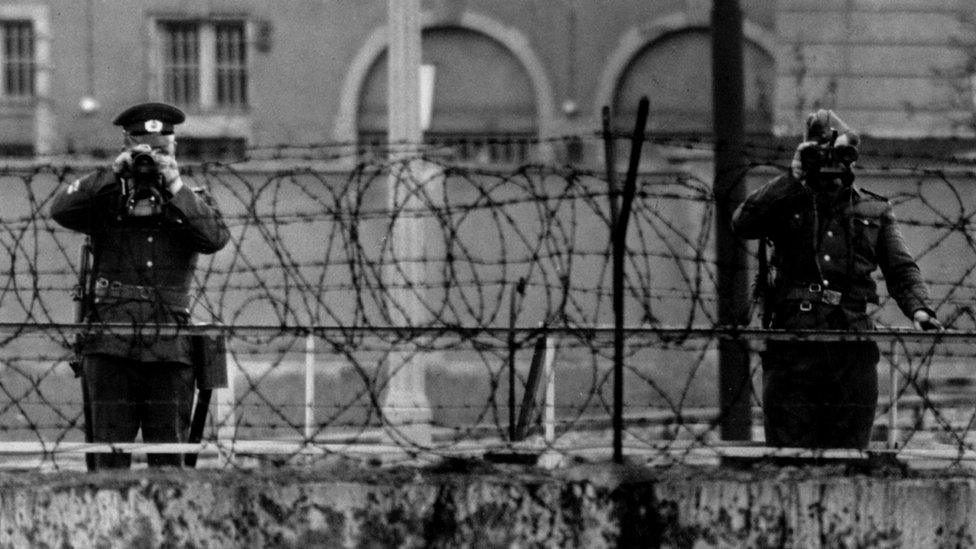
147 118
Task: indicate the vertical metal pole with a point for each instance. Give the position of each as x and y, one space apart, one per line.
519 288
549 409
226 415
893 400
732 277
619 243
309 387
610 160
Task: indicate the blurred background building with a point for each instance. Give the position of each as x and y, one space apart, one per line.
500 76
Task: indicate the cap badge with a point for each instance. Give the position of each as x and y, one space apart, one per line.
154 126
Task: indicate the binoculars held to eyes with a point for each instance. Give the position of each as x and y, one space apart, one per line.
828 157
833 145
142 185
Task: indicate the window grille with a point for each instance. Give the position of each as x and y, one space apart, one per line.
181 63
204 64
17 58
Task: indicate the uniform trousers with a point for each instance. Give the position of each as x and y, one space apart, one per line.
126 395
820 394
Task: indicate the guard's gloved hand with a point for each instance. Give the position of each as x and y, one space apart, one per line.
925 320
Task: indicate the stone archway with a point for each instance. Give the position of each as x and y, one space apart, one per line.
639 40
346 124
483 104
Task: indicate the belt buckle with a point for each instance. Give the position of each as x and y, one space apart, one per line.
101 282
806 306
831 297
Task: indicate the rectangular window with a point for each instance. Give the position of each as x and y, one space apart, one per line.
181 63
204 64
17 63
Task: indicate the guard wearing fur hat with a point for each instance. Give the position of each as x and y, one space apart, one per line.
146 229
828 236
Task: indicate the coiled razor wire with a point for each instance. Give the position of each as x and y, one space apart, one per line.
345 270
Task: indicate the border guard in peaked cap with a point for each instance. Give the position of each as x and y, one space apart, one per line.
145 229
150 118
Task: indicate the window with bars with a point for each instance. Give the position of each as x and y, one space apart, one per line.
181 63
17 59
204 64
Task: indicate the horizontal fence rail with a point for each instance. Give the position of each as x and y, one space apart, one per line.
396 310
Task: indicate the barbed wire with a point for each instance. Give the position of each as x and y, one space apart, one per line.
427 259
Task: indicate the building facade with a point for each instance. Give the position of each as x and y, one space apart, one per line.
500 75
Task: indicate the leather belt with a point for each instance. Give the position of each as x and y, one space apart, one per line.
116 290
816 293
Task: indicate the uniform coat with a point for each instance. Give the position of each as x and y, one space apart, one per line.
826 246
159 255
144 268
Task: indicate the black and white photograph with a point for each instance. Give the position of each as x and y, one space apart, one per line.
488 273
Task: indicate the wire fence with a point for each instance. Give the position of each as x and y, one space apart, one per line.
422 308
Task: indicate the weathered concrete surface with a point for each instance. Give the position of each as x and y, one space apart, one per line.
482 506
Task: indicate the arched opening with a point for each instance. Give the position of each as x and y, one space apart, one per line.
675 72
483 105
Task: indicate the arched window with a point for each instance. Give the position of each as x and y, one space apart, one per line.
675 73
483 105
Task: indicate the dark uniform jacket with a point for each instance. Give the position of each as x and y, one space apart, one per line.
835 245
143 266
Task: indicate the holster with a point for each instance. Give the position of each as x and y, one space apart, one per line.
209 354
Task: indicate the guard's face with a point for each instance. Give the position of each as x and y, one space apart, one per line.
163 143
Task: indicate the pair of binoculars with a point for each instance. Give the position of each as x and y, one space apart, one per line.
827 157
142 186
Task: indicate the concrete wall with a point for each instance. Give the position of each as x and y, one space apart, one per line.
478 506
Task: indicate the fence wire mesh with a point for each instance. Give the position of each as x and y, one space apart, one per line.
349 283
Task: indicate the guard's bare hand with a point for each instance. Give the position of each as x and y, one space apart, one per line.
924 321
796 166
168 167
124 160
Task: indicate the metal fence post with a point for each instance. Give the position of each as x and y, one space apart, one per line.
309 387
226 406
893 400
518 289
619 245
731 259
549 406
